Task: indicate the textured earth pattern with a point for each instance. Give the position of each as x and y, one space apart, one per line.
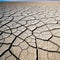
29 32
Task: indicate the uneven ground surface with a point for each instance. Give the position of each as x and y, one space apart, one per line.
30 32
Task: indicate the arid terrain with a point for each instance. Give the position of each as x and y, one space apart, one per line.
30 31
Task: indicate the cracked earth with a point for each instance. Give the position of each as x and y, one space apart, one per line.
29 32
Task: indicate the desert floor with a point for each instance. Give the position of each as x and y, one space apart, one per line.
30 31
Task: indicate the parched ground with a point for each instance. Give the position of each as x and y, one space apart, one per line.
29 31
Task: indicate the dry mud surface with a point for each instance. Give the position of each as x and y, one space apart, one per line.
29 31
